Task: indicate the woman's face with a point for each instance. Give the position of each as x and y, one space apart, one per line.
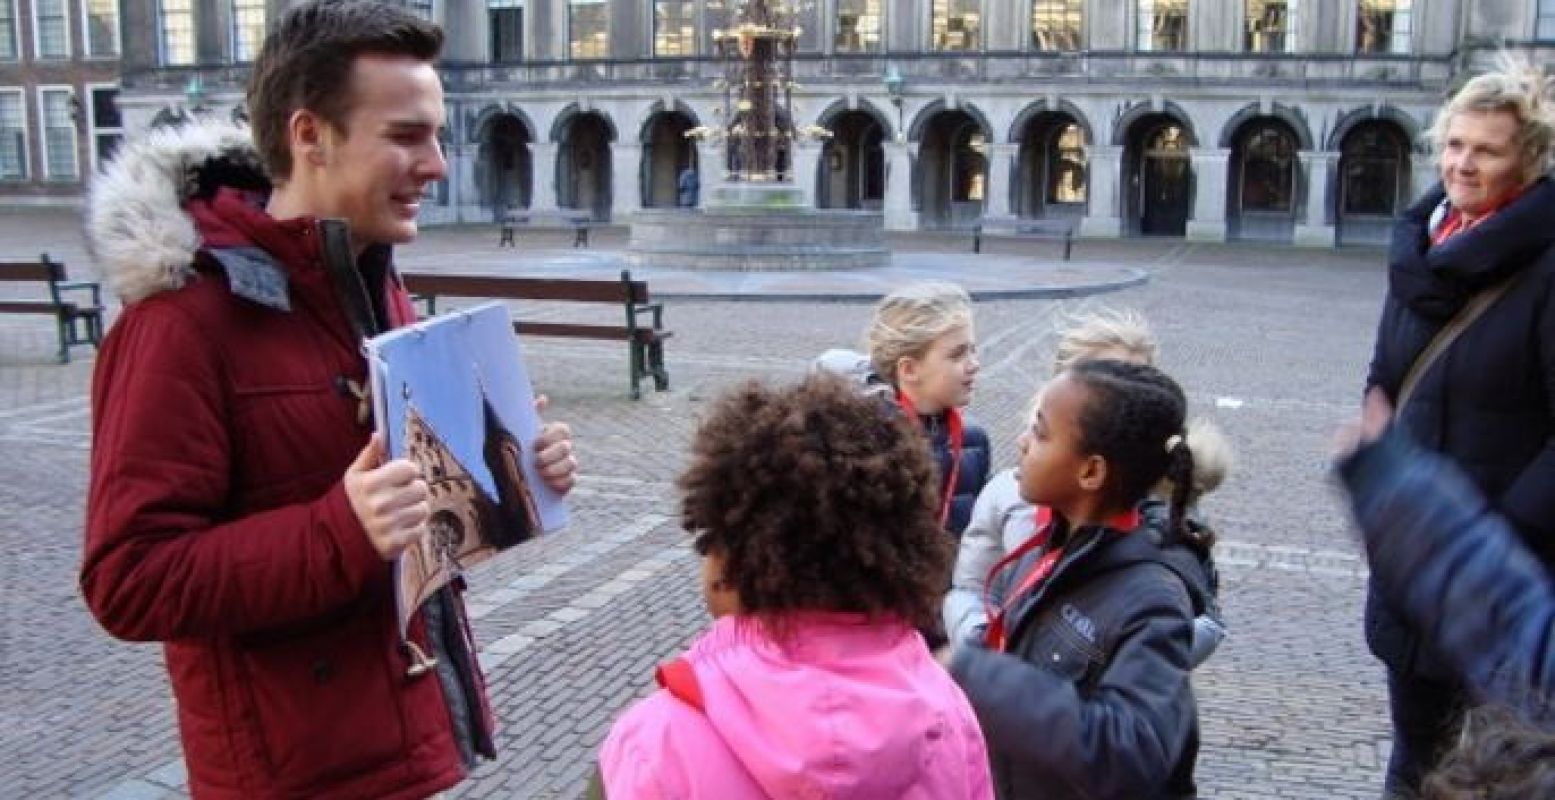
1480 162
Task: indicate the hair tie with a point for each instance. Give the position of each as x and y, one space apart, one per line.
1172 442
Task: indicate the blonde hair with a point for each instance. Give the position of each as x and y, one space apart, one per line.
1516 86
908 320
1213 459
1086 335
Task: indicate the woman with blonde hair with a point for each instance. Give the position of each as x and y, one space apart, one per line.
1466 351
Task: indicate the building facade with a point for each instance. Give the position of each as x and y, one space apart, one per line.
1282 120
59 81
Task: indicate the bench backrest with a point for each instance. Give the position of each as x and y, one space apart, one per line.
42 270
515 288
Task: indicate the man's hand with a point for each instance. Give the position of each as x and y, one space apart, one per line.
1376 415
554 458
390 499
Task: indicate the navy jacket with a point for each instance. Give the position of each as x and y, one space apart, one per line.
1457 571
1489 403
976 458
1092 698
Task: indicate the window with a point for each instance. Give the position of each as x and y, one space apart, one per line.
588 28
51 29
248 29
860 26
1383 26
1268 169
1271 26
8 45
1372 165
1161 25
674 27
177 32
957 24
107 125
421 8
506 18
102 27
1055 24
59 134
13 137
1544 26
1066 166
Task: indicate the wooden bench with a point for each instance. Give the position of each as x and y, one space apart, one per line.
579 223
78 322
1054 228
645 342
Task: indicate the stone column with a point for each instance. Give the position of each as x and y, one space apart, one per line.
544 165
710 168
464 197
1208 221
807 158
899 215
996 184
1316 229
625 180
1102 218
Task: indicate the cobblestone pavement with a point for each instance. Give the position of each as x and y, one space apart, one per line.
1271 343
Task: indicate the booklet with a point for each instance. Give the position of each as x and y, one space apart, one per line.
451 393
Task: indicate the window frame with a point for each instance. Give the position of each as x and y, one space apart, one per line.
1397 44
92 129
572 6
690 46
235 28
47 173
164 49
880 36
86 33
982 22
1291 31
37 33
1141 39
16 31
1076 7
25 154
492 8
1544 21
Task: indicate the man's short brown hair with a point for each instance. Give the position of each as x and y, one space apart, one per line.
307 63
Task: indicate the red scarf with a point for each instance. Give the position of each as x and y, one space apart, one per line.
957 435
995 635
1456 223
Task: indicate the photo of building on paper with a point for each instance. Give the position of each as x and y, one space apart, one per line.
467 523
451 393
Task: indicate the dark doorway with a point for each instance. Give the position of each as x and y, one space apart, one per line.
505 168
1263 192
1053 176
1373 181
852 168
952 170
666 151
1158 177
583 165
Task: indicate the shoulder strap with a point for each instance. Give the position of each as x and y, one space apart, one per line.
1460 322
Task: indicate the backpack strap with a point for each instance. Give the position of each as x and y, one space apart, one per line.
680 680
1460 322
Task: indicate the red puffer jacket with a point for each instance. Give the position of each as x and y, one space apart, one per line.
217 523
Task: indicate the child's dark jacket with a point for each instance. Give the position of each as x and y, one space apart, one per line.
1092 698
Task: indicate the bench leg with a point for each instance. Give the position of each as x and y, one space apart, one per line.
661 376
64 325
977 243
636 367
1068 242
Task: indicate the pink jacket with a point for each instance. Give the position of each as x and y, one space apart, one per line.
849 709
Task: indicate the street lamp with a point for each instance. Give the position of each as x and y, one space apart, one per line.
894 81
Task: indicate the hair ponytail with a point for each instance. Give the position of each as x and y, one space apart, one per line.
1179 472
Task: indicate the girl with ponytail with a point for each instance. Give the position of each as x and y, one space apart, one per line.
1081 677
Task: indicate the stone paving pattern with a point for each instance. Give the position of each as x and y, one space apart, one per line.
1270 342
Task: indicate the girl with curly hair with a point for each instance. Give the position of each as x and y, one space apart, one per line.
816 518
1081 681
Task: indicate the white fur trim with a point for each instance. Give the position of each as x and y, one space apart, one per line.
135 223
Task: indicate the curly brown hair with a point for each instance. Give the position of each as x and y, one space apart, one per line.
1499 756
817 499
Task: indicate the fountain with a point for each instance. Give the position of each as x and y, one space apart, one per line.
757 218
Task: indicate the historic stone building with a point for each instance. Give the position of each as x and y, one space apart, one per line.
59 75
1284 120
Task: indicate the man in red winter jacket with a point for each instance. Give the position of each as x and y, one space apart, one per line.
240 509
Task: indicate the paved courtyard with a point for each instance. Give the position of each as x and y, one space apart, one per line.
1270 342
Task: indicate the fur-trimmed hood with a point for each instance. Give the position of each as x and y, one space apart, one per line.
136 226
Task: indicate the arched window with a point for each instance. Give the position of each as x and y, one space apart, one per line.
1066 166
1267 166
1372 162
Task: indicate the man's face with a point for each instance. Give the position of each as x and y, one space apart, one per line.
374 172
1479 160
